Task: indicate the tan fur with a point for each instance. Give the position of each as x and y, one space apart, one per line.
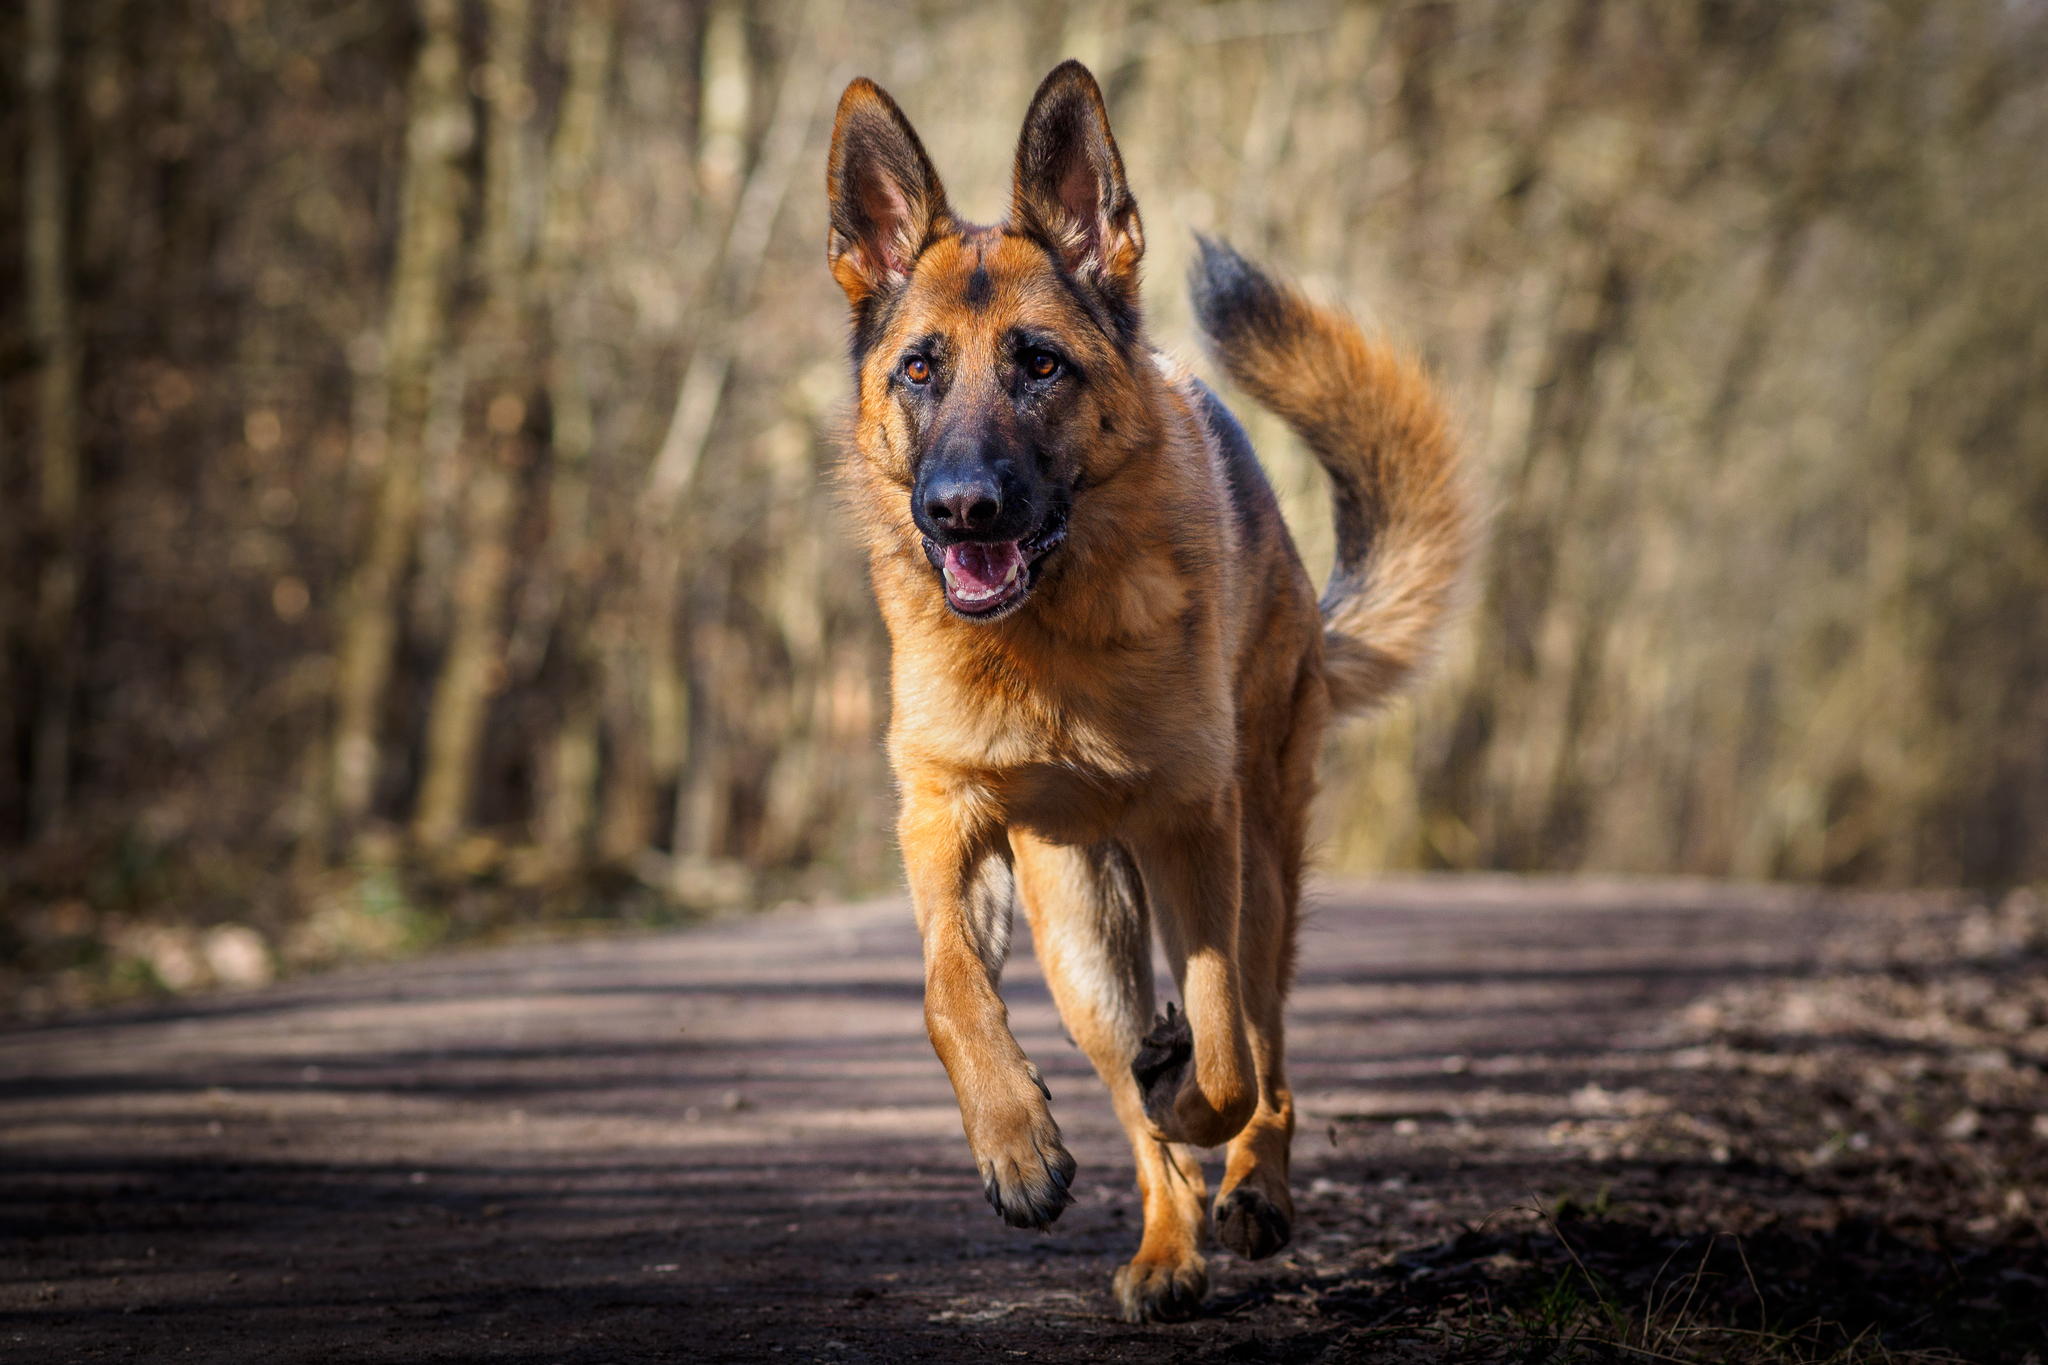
1136 741
1373 418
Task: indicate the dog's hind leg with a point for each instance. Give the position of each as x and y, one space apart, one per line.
1254 1209
1088 927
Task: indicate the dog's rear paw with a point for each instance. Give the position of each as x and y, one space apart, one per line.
1032 1189
1151 1291
1162 1062
1252 1225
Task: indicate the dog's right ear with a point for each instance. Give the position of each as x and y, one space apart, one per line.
885 197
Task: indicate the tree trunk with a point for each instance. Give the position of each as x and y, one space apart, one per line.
438 132
566 801
60 477
474 663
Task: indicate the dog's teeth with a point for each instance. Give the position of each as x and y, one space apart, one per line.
966 595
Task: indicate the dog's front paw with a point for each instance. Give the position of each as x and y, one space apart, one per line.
1161 1291
1026 1171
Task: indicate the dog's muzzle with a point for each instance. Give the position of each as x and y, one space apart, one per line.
984 579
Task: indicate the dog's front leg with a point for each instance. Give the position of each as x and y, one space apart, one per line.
1196 1070
1025 1169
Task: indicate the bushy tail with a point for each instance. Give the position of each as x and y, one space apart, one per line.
1405 525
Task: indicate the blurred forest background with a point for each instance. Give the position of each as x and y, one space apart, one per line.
417 421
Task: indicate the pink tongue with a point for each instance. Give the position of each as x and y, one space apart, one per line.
982 568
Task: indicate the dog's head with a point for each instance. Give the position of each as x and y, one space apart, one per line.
995 366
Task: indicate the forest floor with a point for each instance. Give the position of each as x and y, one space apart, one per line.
1539 1121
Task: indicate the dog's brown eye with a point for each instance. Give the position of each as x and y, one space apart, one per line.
1042 364
917 370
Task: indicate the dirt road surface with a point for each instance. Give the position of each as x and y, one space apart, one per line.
734 1143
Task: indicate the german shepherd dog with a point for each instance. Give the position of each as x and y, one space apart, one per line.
1109 671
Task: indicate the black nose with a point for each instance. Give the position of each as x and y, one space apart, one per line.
964 502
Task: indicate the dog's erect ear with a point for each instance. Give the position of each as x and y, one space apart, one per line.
885 196
1070 183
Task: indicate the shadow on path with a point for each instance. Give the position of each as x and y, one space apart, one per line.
733 1142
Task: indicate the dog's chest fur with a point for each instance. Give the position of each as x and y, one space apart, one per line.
1061 746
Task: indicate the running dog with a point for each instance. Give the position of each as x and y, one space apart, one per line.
1110 672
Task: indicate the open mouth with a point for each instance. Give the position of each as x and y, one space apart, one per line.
985 578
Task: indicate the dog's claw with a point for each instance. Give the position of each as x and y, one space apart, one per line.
1035 1201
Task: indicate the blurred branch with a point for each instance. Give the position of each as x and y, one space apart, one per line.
802 90
663 535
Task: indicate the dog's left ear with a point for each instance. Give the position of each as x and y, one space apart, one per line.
1070 184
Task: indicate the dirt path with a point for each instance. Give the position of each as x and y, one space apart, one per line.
735 1143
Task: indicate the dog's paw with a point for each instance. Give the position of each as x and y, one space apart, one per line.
1161 1291
1031 1193
1162 1063
1252 1225
1026 1171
